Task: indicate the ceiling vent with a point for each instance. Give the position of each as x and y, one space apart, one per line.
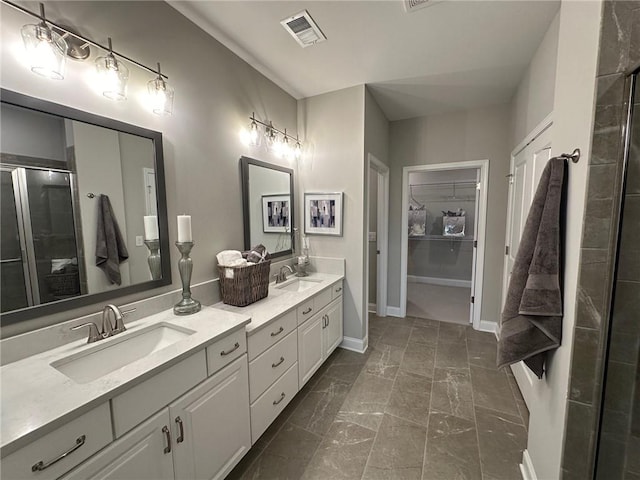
413 5
302 27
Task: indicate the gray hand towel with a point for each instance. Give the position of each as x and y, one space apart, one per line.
111 249
531 323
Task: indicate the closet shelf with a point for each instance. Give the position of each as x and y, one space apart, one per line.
443 237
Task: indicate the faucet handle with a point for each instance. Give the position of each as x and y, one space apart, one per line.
94 333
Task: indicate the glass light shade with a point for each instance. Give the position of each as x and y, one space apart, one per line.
161 95
285 149
297 151
254 135
45 50
113 76
272 140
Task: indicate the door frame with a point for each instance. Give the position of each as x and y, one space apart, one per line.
382 235
483 165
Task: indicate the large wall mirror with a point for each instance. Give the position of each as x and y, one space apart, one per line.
268 206
70 181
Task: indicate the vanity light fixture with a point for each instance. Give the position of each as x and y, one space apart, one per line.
113 75
161 95
280 146
48 43
45 48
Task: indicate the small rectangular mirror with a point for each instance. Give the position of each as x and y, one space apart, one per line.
268 206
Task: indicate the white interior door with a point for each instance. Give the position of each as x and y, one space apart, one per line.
526 169
475 250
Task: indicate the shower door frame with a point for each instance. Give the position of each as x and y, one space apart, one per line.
479 247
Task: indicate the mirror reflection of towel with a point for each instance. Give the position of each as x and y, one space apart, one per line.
111 249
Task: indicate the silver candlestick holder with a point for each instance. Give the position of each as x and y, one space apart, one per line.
154 258
187 305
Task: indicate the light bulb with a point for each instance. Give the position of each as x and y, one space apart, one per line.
297 150
161 95
113 76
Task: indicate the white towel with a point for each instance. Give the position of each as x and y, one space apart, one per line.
229 258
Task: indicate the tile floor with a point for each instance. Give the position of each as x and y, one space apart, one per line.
424 402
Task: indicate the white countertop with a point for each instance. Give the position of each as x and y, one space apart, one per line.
280 301
36 398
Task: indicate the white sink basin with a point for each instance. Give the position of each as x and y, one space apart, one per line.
298 284
111 354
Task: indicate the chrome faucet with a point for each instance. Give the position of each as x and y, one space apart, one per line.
282 276
108 328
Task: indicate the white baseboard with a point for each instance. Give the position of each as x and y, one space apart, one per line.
355 344
526 467
372 308
487 326
393 311
445 282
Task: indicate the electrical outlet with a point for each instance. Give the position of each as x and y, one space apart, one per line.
139 241
373 236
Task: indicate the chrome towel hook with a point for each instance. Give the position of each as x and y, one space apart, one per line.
574 156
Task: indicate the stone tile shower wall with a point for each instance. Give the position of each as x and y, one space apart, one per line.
619 52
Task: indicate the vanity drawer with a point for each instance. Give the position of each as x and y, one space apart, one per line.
272 333
322 299
305 311
94 426
272 402
140 402
225 350
336 290
266 368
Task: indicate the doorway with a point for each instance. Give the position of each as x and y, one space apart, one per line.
443 237
377 240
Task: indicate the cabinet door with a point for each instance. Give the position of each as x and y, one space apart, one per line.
210 424
309 348
141 454
332 333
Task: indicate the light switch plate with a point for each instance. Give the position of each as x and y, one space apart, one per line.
139 241
373 236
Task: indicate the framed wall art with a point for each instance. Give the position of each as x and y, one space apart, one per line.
323 213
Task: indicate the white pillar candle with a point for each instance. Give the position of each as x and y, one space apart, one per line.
184 228
151 227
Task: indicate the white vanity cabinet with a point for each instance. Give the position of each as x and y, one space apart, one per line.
319 336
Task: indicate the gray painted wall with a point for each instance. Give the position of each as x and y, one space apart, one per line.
215 94
471 135
334 122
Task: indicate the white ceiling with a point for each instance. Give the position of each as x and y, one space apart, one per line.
449 56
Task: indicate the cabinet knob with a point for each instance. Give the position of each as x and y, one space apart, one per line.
180 438
38 467
278 363
167 436
307 311
280 330
233 349
276 402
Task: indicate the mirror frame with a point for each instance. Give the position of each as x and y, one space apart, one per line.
44 106
245 162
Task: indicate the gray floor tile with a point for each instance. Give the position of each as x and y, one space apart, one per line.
424 333
410 398
452 449
398 450
451 354
286 457
478 336
481 353
342 454
397 336
451 392
343 371
452 332
491 390
419 359
384 361
366 401
318 410
502 439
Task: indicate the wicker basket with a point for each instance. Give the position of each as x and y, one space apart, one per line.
63 283
241 286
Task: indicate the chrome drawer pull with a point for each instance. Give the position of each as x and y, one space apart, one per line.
276 402
275 334
338 290
180 438
274 365
227 352
167 435
38 467
308 310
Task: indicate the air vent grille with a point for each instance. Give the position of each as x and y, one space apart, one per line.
413 5
303 29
